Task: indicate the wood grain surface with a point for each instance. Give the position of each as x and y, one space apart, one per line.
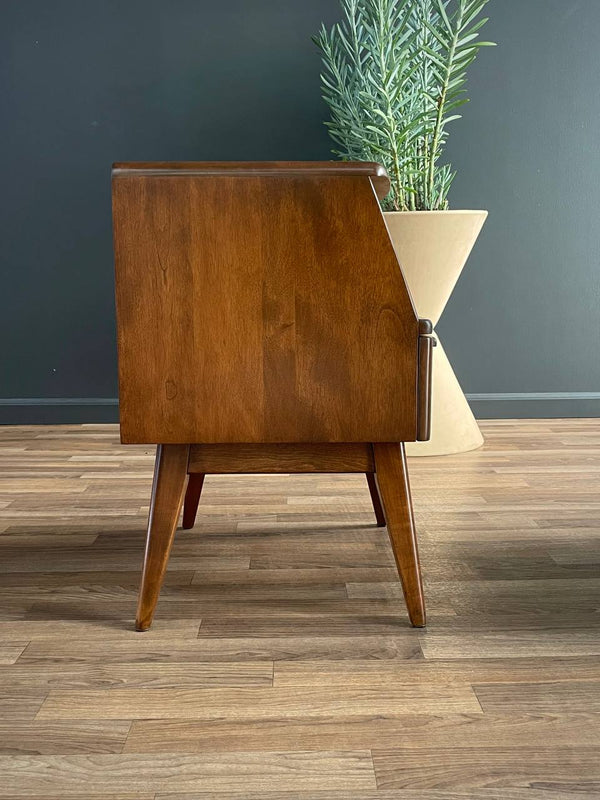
260 304
170 476
236 458
391 476
281 664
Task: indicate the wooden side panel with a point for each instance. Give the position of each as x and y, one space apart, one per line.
260 308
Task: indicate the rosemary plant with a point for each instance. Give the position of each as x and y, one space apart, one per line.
394 77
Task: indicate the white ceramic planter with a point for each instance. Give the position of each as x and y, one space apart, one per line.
432 248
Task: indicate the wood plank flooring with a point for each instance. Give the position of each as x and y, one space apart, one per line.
281 665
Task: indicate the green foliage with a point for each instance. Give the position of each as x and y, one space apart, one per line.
394 77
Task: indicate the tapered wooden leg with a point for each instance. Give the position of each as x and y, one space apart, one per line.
170 470
375 499
392 478
192 498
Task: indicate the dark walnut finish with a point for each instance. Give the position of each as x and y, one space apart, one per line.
264 325
376 499
192 498
426 345
222 458
392 479
170 471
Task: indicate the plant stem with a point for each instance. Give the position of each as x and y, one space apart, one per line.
437 131
399 201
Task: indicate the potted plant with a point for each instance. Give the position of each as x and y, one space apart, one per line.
394 78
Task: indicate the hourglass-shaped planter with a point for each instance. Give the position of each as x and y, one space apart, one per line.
432 248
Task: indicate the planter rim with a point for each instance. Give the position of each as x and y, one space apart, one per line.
456 211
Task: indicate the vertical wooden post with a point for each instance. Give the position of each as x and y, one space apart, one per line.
376 499
192 498
392 478
170 470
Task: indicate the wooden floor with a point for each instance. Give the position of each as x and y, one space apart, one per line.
281 665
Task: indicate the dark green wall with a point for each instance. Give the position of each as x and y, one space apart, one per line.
84 83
